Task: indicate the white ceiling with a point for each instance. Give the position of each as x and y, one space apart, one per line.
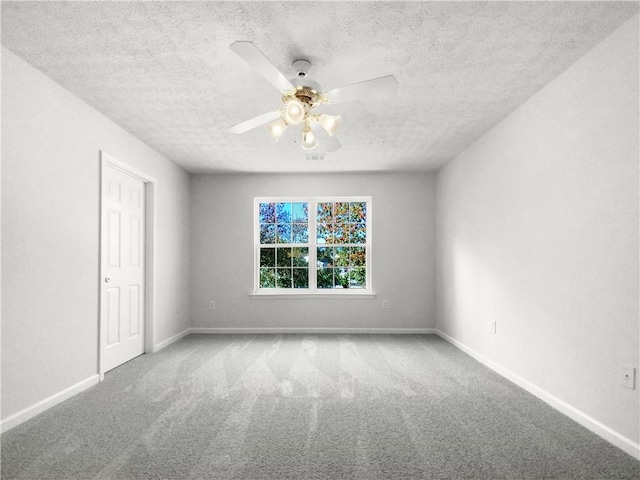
164 70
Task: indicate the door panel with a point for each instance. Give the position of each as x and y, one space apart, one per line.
112 316
135 232
122 312
113 238
134 310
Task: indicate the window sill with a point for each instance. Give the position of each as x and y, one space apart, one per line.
365 294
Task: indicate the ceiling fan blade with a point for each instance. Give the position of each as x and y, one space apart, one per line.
254 57
376 89
331 144
328 142
254 122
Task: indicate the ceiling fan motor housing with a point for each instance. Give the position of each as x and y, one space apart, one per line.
307 91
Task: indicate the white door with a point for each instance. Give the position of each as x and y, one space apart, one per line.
123 254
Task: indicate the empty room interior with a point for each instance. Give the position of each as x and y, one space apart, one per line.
269 240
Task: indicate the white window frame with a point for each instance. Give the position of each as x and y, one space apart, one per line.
313 291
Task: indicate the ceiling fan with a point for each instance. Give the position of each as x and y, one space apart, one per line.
302 96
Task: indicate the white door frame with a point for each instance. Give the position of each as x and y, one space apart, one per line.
150 190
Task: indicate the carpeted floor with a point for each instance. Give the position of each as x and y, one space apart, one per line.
307 407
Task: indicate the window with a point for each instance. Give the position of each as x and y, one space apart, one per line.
313 246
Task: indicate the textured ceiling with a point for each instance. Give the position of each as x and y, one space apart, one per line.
164 70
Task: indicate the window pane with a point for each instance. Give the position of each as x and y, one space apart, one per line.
300 278
325 257
357 257
325 233
283 278
341 278
283 212
357 212
284 257
300 257
267 278
342 256
358 277
284 233
300 212
325 213
300 233
267 257
267 213
358 233
341 234
325 278
267 234
341 210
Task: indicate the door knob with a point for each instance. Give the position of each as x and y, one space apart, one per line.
107 280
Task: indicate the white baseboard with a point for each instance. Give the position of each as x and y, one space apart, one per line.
41 406
314 331
165 343
600 429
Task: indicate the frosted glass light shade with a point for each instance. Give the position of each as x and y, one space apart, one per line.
293 112
277 128
309 140
330 123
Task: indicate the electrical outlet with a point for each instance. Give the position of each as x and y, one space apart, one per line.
628 377
494 327
212 305
385 303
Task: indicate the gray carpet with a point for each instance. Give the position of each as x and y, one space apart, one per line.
307 407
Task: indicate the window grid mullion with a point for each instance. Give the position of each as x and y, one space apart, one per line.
313 249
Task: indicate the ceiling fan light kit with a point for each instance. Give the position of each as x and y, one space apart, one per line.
309 140
300 96
293 112
277 128
330 123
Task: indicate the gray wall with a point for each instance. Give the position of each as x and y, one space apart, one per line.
403 252
50 235
538 231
